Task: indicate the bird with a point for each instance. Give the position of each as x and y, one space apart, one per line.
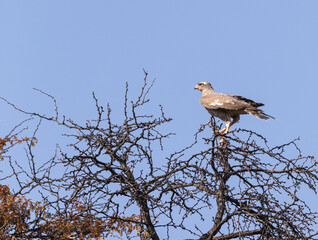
228 107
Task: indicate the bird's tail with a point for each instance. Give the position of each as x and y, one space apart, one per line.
259 114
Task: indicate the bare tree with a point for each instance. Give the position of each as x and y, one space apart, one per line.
244 188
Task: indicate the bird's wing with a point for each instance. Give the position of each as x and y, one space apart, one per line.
226 101
251 102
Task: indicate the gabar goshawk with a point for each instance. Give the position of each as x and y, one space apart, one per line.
227 107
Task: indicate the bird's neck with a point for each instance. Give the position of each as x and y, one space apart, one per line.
207 92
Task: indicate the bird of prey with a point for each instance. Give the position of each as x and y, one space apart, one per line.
228 107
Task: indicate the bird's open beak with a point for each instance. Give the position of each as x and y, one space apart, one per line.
197 87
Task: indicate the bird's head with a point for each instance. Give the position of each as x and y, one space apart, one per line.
203 86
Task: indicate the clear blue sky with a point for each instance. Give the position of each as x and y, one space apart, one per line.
263 50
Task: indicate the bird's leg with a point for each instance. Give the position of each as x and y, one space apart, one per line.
229 124
222 130
226 129
235 120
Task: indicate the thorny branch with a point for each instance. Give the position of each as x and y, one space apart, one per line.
243 189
